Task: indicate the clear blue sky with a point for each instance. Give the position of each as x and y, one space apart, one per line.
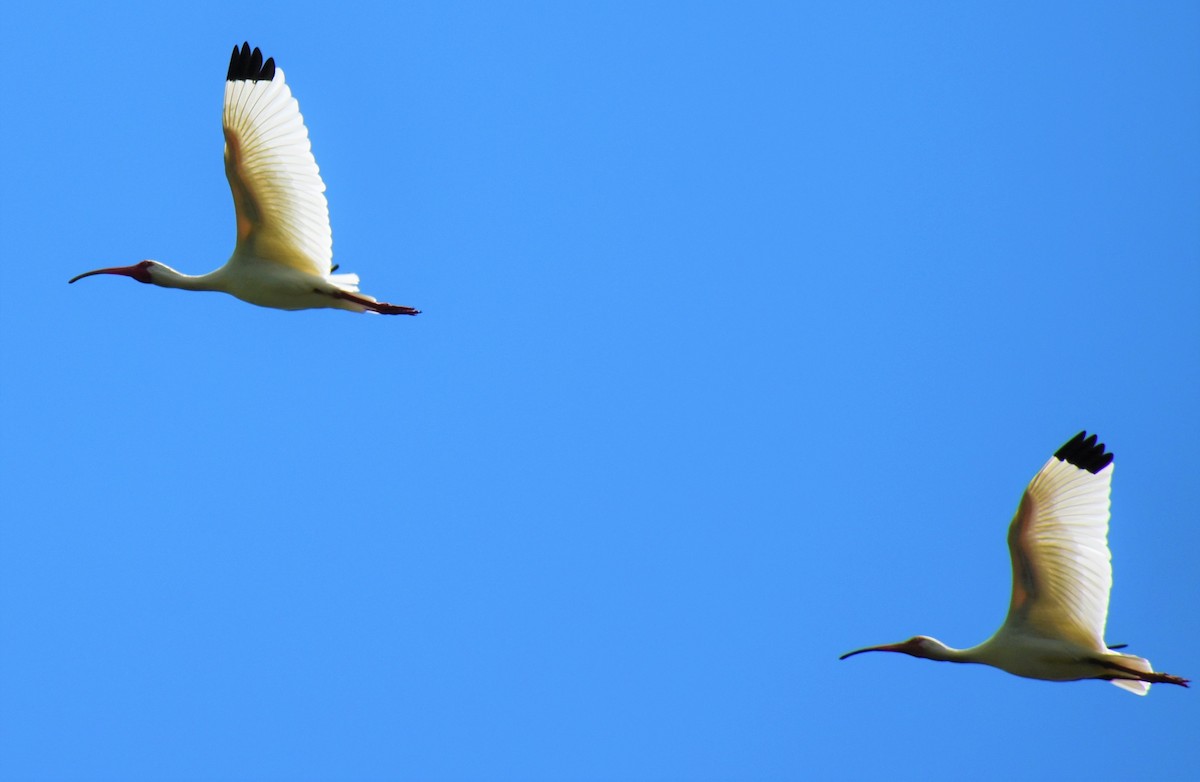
744 327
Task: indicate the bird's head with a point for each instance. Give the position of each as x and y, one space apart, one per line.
142 272
917 646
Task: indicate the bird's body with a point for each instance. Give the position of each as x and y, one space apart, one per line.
265 283
1062 576
1033 656
284 252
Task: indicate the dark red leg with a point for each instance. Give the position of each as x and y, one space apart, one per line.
1153 677
382 307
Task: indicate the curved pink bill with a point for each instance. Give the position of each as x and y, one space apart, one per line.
883 648
134 271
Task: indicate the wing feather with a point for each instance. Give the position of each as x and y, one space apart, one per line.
1062 571
282 214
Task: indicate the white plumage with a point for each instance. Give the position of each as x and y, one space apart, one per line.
1059 546
1062 576
284 252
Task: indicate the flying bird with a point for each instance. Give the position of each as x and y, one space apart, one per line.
284 252
1061 579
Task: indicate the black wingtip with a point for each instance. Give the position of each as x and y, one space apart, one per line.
1085 453
247 64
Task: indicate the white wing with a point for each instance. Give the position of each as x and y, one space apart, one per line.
282 215
1059 545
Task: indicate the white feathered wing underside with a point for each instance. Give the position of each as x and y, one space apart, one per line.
1062 571
282 214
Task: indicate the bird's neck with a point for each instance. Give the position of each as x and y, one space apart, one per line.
166 277
939 651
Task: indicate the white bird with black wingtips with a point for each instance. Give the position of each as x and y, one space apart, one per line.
1061 579
284 252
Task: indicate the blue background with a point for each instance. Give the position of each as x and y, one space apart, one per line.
745 327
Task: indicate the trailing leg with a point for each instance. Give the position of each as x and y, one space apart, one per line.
1150 677
382 307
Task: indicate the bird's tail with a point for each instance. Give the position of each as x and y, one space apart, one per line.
1134 663
347 282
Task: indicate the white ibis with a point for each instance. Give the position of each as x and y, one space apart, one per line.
1061 579
284 251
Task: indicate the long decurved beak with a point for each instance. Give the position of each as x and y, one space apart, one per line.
128 271
884 648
